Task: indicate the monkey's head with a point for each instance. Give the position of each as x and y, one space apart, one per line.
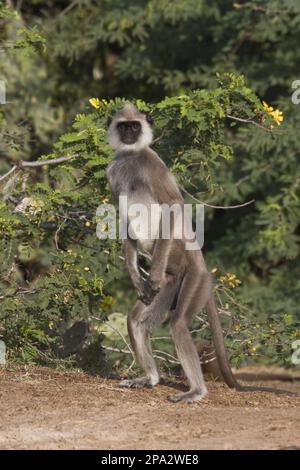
130 130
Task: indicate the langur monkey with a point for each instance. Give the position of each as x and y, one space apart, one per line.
179 283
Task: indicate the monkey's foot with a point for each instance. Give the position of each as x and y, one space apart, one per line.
188 397
140 382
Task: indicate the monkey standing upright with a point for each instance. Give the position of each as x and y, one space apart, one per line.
178 282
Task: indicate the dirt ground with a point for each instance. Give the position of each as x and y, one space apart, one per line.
41 408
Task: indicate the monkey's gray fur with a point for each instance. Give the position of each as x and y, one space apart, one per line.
179 282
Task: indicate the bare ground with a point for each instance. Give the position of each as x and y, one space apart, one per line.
41 408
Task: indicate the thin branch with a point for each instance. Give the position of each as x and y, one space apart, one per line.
156 356
130 367
6 175
117 331
259 8
53 161
250 121
118 350
160 136
168 358
24 164
19 291
56 235
123 351
154 338
68 8
10 271
115 389
216 207
247 177
242 180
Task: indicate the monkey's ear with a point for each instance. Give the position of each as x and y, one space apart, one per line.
108 122
149 119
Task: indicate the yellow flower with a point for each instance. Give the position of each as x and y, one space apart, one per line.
268 108
95 102
274 113
88 224
230 279
277 116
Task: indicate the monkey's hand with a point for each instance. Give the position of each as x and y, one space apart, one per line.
139 284
151 289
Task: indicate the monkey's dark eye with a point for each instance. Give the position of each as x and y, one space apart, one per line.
129 126
149 119
122 126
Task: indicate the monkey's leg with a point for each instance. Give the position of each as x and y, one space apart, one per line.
192 298
140 342
140 322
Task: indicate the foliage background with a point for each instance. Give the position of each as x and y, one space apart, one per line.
59 284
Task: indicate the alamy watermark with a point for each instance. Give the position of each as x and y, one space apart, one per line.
2 92
150 221
295 359
2 353
296 95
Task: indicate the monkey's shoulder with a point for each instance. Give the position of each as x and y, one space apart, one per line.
150 158
125 172
123 165
164 183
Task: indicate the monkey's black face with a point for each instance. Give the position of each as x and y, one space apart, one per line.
129 131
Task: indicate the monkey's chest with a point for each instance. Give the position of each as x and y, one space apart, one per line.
139 211
124 175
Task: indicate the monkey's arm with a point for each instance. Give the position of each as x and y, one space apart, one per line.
157 272
166 192
160 258
131 260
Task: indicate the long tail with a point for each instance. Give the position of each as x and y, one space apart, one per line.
219 344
